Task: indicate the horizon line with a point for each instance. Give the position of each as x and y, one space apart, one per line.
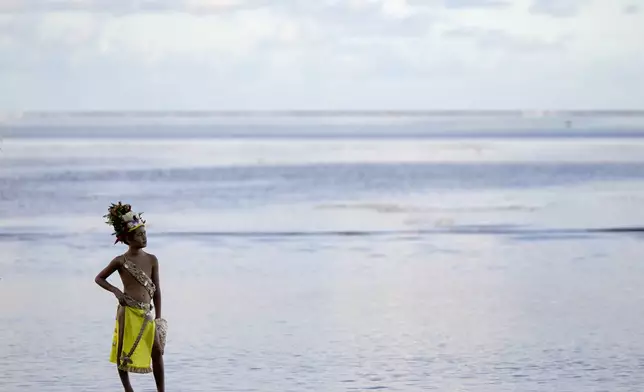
321 113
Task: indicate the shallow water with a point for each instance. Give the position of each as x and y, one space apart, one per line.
333 265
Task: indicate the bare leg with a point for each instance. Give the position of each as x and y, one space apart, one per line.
125 378
157 367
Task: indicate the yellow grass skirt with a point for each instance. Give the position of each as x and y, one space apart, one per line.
138 360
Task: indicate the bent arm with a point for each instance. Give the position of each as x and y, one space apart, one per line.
101 278
157 293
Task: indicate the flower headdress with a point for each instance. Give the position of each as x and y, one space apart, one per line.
123 220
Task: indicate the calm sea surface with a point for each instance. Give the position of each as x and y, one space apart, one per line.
332 263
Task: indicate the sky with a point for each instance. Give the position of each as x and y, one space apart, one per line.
321 54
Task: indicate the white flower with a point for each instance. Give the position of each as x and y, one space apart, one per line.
129 217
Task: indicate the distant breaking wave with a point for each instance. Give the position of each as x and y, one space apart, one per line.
461 130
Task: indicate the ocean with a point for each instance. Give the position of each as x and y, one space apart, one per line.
357 258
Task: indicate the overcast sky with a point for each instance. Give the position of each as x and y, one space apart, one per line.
321 54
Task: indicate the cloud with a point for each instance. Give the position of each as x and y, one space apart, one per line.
558 8
492 39
319 54
476 4
121 6
395 8
631 9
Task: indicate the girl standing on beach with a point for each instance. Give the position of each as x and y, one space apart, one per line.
139 337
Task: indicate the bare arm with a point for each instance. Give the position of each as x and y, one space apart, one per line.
157 293
101 278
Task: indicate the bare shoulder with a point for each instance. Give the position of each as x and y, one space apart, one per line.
114 265
153 259
118 261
